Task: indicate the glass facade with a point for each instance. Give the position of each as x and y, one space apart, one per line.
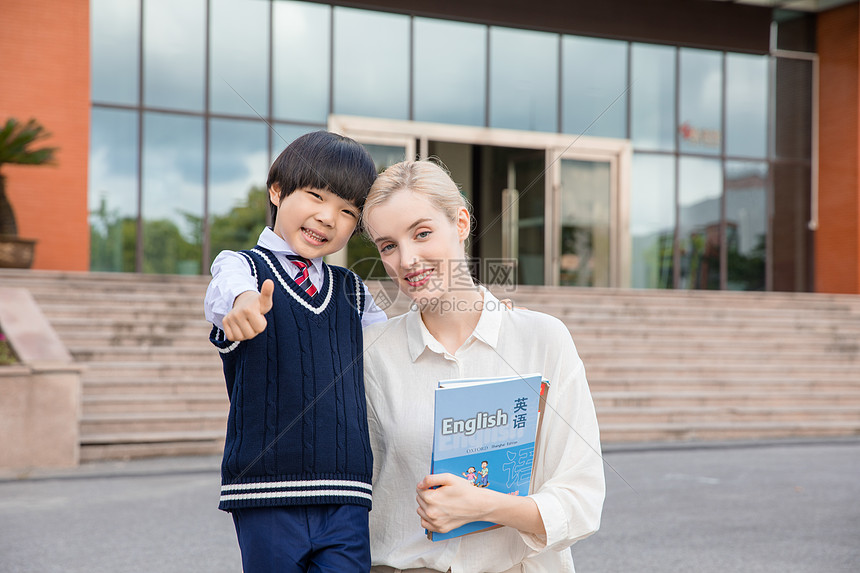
652 220
371 63
191 101
113 189
523 79
301 68
594 87
450 80
653 121
174 54
172 192
238 57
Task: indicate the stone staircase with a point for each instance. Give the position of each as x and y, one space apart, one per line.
675 365
662 365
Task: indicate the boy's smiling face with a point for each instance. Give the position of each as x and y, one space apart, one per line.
314 222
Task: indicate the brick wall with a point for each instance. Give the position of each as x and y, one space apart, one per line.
837 248
44 74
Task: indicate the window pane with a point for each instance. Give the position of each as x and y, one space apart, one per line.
746 224
523 79
173 45
699 193
653 110
371 63
450 72
113 190
283 134
594 80
238 168
793 108
701 101
115 51
652 220
302 51
172 193
530 180
746 105
239 57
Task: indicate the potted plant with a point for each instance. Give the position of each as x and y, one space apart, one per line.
16 147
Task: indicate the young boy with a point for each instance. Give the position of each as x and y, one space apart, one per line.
296 473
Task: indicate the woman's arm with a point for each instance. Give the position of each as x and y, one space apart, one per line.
446 501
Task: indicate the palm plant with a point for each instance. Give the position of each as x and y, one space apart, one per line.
16 142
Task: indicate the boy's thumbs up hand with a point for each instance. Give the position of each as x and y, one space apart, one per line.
246 320
266 296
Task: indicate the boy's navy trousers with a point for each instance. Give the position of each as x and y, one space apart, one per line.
299 539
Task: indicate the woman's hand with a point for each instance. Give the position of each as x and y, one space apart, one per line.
453 503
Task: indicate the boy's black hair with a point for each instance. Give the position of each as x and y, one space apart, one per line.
323 160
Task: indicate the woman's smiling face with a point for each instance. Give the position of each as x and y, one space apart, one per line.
421 248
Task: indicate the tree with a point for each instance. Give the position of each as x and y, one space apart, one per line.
16 141
239 227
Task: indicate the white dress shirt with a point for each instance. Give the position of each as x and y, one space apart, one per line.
403 362
231 276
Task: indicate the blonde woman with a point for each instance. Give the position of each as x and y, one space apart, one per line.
419 222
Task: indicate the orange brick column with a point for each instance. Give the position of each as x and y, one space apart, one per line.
837 243
45 74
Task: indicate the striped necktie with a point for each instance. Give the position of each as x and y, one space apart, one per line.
302 278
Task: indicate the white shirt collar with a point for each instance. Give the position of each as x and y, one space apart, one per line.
272 241
419 338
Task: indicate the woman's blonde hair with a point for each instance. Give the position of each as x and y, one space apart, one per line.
424 177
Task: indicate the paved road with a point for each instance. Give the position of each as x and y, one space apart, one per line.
779 507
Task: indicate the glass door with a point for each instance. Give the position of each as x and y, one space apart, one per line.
585 221
523 215
589 237
555 211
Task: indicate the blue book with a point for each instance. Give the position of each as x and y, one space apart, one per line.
485 431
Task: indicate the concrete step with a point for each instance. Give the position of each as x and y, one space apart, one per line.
563 309
740 414
126 313
189 386
737 356
202 351
129 446
148 422
812 325
725 370
92 341
87 322
694 384
188 369
719 431
604 333
77 281
106 298
101 403
605 400
679 298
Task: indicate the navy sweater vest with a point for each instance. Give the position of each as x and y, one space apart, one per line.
297 428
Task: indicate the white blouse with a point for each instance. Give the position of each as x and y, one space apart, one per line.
403 362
